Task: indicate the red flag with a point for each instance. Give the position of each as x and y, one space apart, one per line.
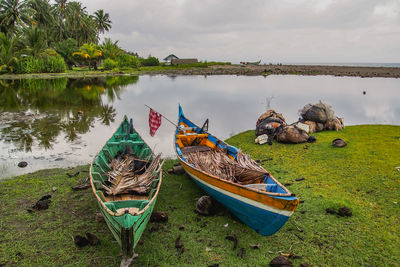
154 121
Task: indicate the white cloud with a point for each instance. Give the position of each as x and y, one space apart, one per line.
275 30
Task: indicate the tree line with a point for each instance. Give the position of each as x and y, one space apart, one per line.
36 36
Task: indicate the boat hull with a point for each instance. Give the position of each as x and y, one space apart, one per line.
126 215
264 219
265 210
127 238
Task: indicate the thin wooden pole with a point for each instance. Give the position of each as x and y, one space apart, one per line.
162 116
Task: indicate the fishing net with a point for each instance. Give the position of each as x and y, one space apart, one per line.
129 174
269 123
320 112
244 170
292 134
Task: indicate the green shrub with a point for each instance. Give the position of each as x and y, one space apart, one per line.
47 64
150 61
55 64
65 49
109 64
127 61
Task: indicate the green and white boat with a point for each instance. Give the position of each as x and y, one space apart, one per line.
126 213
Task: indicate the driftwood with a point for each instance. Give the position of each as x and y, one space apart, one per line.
244 170
124 177
84 185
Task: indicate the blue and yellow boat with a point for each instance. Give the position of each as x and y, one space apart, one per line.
251 193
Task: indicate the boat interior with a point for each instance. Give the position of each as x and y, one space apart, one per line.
191 139
101 165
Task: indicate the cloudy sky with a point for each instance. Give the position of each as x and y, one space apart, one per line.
271 30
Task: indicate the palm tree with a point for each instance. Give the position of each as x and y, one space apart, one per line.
110 49
8 52
88 32
59 10
76 22
42 15
13 14
34 41
89 51
103 21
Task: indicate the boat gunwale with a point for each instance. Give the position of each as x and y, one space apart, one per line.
118 214
272 194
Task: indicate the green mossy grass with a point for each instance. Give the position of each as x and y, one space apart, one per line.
84 72
361 176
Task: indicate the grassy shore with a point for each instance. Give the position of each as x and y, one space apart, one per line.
84 72
221 68
361 176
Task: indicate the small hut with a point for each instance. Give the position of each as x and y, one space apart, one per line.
184 61
169 58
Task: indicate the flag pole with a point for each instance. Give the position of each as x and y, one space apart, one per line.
162 116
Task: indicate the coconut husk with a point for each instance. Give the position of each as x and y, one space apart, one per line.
243 170
205 205
292 134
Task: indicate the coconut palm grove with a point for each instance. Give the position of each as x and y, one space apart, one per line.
39 37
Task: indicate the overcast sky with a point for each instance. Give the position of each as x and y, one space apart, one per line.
270 30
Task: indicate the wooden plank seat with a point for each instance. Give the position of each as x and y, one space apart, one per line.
191 149
123 197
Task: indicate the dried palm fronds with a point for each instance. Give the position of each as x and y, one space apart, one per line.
244 170
124 177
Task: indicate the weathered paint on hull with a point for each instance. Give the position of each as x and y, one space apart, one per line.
262 221
128 243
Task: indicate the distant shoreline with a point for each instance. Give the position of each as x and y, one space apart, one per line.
246 70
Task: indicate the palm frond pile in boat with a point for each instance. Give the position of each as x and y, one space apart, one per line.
244 170
124 177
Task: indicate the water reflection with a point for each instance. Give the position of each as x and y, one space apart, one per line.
40 120
38 111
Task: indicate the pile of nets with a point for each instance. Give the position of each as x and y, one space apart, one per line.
269 123
319 117
244 170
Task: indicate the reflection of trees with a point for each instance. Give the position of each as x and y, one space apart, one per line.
38 111
107 114
20 133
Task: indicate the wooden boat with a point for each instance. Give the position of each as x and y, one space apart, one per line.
257 198
126 214
251 63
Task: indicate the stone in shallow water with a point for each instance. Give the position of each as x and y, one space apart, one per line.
22 164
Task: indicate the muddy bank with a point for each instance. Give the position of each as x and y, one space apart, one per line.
290 69
249 70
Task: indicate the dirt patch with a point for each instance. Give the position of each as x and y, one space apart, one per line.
248 70
265 70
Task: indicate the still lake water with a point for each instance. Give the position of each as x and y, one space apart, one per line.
40 121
